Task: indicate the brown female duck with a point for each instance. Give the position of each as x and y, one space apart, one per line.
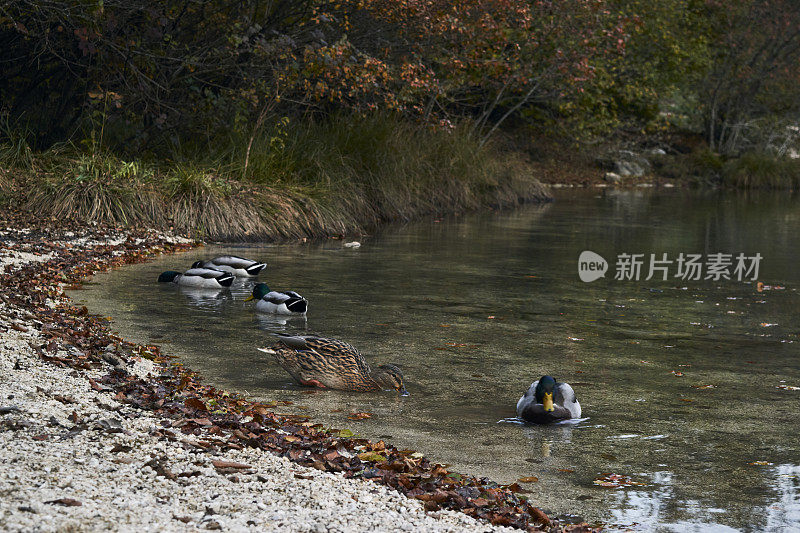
333 364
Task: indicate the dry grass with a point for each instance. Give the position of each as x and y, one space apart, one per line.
343 176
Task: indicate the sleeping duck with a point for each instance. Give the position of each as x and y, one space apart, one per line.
332 364
281 303
239 266
202 278
548 401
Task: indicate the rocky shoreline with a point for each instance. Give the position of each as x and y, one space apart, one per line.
100 433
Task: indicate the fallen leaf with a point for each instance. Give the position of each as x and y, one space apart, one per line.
529 479
195 403
760 463
230 465
359 416
615 481
372 457
67 502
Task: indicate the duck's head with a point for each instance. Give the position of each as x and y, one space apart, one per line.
259 291
168 276
544 393
390 377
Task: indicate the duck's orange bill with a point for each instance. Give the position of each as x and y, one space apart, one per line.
547 402
251 297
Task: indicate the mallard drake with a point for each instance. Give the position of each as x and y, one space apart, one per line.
332 364
281 303
548 401
204 278
239 266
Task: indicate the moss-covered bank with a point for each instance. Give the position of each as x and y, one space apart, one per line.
338 176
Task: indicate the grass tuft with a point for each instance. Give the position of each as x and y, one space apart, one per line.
760 170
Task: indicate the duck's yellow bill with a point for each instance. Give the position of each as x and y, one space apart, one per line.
547 402
251 297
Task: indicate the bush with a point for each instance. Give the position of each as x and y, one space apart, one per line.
761 170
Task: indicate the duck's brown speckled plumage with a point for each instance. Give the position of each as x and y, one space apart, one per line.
333 364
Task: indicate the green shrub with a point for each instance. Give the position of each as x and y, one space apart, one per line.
761 170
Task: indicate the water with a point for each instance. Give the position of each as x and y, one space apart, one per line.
474 308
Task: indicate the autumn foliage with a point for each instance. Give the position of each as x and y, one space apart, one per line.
159 72
159 68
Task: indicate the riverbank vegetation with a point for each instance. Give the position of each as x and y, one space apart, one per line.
340 176
288 119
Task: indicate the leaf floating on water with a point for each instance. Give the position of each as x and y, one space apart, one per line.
616 481
677 374
767 324
529 479
359 416
704 386
788 387
345 433
567 470
760 463
490 317
574 339
686 400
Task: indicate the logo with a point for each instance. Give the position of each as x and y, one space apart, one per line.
591 266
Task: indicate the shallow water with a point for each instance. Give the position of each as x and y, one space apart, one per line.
474 308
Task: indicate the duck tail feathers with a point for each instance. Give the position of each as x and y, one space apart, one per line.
254 270
267 350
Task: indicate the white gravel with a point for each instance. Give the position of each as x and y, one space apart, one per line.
105 466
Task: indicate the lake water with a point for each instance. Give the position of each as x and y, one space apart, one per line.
686 385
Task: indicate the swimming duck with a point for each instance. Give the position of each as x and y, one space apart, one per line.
281 303
239 266
333 364
548 401
204 278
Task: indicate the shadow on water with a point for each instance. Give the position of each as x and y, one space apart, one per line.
679 380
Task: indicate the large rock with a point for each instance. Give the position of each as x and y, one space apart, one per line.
625 163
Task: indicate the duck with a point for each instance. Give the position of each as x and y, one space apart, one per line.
281 303
203 278
547 401
332 364
238 266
